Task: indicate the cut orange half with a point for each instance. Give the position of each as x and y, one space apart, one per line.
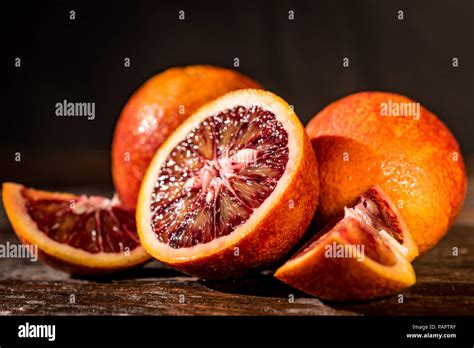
232 189
78 234
364 254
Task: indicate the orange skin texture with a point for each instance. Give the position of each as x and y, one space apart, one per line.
418 163
155 110
277 232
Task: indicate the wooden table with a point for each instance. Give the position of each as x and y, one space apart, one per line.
445 286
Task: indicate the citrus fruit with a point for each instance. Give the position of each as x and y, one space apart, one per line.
363 254
78 234
231 190
387 139
155 110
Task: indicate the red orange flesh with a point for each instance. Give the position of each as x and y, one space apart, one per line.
78 234
153 113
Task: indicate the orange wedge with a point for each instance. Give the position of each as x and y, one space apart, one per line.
78 234
364 254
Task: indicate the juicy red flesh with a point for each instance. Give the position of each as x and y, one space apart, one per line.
218 175
384 217
380 217
110 230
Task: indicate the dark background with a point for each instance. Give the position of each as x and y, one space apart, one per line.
301 60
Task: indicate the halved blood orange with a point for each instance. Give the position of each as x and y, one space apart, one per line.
78 234
361 255
232 189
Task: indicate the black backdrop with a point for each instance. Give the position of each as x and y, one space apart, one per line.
82 60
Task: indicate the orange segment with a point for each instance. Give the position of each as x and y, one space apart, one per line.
364 254
231 190
79 234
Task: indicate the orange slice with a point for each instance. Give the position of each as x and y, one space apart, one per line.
232 189
78 234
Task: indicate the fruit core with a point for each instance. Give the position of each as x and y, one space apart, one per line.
93 224
218 175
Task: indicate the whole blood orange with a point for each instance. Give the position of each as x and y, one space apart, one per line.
155 110
387 139
78 234
232 189
364 253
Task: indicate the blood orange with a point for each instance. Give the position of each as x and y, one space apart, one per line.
78 234
232 189
363 254
155 110
409 152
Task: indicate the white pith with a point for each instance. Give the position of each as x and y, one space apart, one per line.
88 204
216 172
362 215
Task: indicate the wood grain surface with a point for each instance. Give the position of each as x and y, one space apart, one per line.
445 286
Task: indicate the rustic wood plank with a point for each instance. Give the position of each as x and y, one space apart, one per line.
32 288
445 286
